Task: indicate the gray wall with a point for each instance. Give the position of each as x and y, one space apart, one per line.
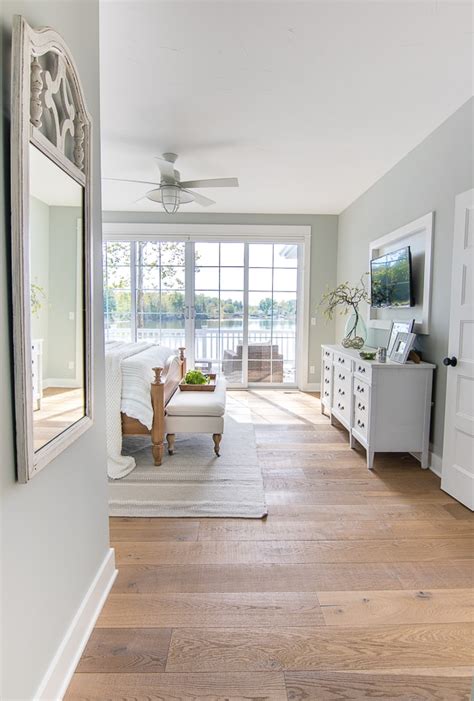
53 246
427 179
62 291
323 257
54 530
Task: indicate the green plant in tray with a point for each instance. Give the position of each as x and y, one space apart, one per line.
196 377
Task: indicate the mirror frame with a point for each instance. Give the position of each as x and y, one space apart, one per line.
35 91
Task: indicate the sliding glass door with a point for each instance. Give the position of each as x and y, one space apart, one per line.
218 308
272 310
233 305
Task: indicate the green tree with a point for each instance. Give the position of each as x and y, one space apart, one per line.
266 306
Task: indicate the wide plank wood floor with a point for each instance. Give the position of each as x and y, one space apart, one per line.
357 585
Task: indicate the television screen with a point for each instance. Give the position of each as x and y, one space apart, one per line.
390 279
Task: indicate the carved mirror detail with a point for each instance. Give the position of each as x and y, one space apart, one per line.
51 248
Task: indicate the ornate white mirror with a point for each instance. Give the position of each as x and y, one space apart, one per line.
51 248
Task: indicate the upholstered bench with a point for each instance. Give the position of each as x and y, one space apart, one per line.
196 412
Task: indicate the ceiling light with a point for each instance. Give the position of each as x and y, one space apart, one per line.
167 198
170 198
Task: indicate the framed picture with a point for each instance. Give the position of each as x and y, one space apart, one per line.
398 327
402 346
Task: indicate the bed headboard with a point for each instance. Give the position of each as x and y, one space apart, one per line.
172 375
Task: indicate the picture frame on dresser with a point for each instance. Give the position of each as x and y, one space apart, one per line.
402 347
398 326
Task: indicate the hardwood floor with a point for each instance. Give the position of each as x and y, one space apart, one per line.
357 585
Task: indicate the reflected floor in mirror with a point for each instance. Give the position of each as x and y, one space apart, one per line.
60 407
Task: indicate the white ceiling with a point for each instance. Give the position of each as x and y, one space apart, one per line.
307 103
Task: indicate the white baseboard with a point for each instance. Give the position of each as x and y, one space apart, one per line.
436 464
60 671
310 387
60 382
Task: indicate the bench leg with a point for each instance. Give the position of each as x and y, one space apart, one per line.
216 437
157 450
170 438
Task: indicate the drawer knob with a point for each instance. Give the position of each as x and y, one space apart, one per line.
361 406
360 423
341 392
360 389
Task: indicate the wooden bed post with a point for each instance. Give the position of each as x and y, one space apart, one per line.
158 425
182 359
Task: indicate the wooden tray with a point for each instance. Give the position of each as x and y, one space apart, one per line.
200 388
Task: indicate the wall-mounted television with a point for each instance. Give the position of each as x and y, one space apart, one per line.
391 280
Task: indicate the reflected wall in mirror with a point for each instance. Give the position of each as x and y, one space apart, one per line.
56 235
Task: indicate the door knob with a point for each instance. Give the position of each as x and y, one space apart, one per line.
451 361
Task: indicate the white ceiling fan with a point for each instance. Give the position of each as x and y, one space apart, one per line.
172 192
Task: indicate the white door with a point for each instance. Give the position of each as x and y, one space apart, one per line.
458 455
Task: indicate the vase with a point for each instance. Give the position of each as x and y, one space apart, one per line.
355 332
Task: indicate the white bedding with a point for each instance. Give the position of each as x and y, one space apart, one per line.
128 375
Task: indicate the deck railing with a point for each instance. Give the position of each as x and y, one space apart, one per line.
210 344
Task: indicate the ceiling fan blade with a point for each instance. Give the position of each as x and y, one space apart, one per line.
125 180
166 169
213 182
200 199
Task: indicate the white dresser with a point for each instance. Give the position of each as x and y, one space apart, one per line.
385 406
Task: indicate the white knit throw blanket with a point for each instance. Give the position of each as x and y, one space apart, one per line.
118 465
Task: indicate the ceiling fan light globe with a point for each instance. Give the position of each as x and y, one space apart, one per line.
170 198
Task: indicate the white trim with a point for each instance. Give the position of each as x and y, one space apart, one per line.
422 225
56 680
436 463
114 231
311 387
71 383
302 316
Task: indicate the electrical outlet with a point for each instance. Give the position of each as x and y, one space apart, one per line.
311 369
313 321
70 365
72 316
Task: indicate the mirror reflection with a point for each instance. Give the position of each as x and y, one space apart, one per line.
56 298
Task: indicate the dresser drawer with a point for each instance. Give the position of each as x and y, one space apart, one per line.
343 360
327 354
341 406
361 420
363 370
361 403
327 374
342 376
342 390
361 389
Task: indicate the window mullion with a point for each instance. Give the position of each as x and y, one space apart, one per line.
133 290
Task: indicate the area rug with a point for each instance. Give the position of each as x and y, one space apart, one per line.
194 482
